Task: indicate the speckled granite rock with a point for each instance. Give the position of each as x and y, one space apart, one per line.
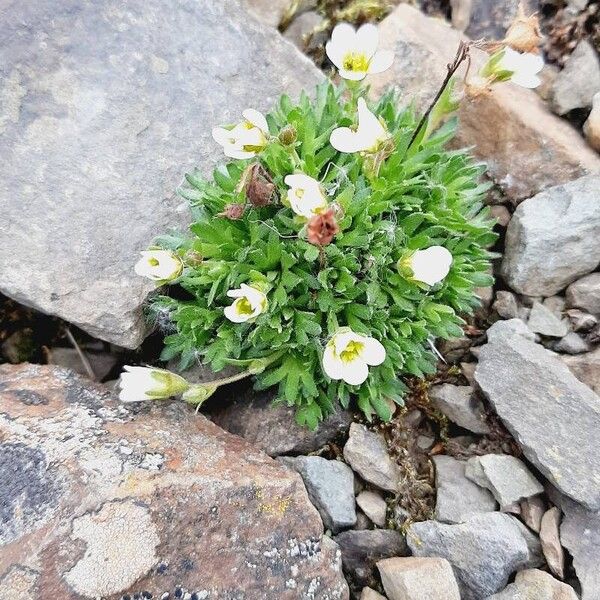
105 105
100 499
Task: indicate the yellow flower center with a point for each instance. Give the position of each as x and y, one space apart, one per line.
299 193
352 351
153 262
356 61
243 307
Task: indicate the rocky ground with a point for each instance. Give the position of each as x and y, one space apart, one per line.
486 485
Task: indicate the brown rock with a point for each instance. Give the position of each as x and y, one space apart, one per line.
591 128
532 511
99 499
549 536
586 367
370 594
416 578
527 149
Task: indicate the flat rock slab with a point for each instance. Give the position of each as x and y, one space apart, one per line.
460 405
533 584
507 477
458 498
101 499
526 148
415 578
104 107
483 552
552 238
552 415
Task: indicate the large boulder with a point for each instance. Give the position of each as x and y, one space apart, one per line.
104 107
526 148
551 414
100 499
552 238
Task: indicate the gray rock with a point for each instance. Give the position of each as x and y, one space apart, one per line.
367 453
253 416
585 293
491 18
418 578
572 343
580 535
576 84
460 405
581 320
370 594
483 552
268 12
534 584
101 363
506 305
591 128
556 305
461 13
458 498
586 367
545 408
543 321
374 506
362 549
330 487
552 238
550 540
532 511
505 476
302 32
102 133
577 5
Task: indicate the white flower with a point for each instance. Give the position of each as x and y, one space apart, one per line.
355 53
249 303
159 265
245 139
431 265
367 137
143 383
524 67
305 195
348 354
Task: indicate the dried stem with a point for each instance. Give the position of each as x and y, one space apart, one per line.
84 359
461 55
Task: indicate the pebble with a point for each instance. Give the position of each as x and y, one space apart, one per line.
550 539
373 505
545 322
460 405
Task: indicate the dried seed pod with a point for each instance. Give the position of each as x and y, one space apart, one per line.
524 34
259 187
233 211
322 228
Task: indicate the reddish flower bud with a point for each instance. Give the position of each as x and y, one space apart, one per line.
233 211
322 228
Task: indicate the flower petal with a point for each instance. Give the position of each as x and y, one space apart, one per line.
382 60
344 36
233 315
367 39
257 119
374 352
355 372
344 139
332 364
352 75
431 265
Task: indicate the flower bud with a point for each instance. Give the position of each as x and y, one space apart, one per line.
143 383
159 265
198 393
233 211
288 135
322 228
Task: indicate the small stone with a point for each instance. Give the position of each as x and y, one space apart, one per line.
591 128
268 12
578 82
586 367
532 511
468 371
506 305
505 476
543 321
572 343
374 506
552 238
458 498
461 13
550 539
585 294
362 549
413 418
330 486
19 347
362 521
533 584
102 363
367 453
501 214
370 594
415 578
581 321
425 442
302 27
556 305
460 405
469 547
